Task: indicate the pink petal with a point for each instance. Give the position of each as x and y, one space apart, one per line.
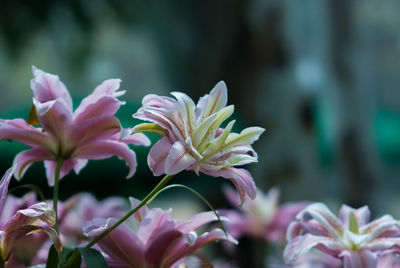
105 149
304 243
359 258
183 249
277 227
380 227
196 221
213 102
186 109
159 246
385 243
178 159
155 221
241 178
21 131
57 121
362 215
135 139
68 165
142 212
321 213
100 127
157 156
103 101
47 87
122 245
5 180
24 160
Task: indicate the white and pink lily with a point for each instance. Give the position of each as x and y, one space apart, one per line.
159 241
194 140
91 132
35 218
351 237
261 218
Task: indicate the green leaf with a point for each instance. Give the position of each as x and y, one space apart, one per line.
353 225
93 258
52 258
73 259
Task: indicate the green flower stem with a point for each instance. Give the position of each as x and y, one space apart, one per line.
55 190
148 198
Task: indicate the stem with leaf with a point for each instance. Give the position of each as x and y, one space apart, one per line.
146 200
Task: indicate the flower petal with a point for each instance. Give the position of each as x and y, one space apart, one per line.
196 221
246 136
100 127
47 87
157 156
135 138
158 247
241 178
121 244
68 165
182 248
302 244
5 181
105 149
321 213
155 221
362 215
21 131
186 109
141 213
178 159
213 102
359 258
24 160
103 101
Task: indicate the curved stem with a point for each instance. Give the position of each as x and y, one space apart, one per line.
148 198
55 190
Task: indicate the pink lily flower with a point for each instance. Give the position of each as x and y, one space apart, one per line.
159 240
262 217
193 140
84 207
36 218
91 132
351 237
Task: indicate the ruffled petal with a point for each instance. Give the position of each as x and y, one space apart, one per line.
21 131
155 221
157 156
47 87
158 247
135 138
105 149
121 244
213 102
362 215
196 221
103 101
68 165
5 181
359 258
241 178
178 159
321 213
142 212
182 248
24 160
304 243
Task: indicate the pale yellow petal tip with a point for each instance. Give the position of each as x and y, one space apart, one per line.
150 128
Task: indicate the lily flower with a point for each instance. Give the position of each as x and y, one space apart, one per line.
351 237
262 217
159 240
36 218
91 132
194 140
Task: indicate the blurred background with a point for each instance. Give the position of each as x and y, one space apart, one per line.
320 76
